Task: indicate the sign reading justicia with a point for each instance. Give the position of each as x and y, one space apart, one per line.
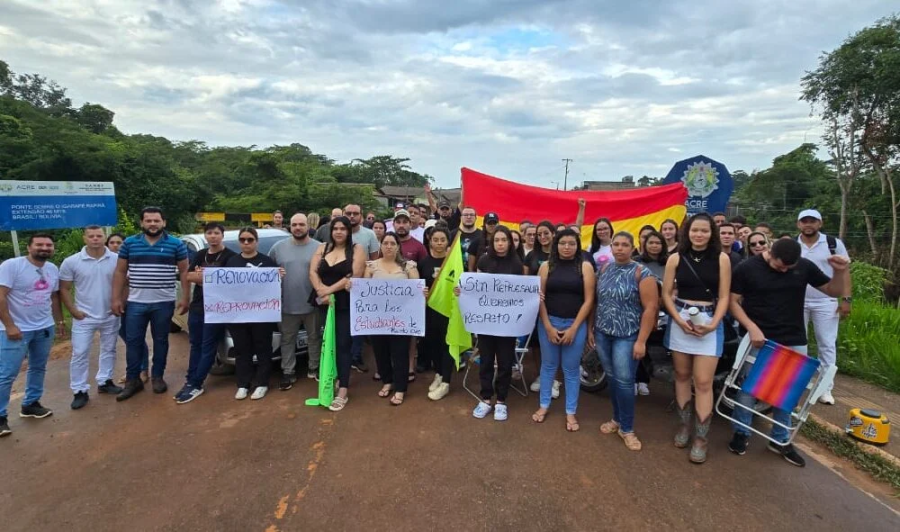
36 205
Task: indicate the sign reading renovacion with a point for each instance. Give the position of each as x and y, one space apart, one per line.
36 205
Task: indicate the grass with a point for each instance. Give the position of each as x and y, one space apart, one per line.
841 445
869 345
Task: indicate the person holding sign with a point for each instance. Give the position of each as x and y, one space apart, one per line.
334 263
627 310
392 351
252 339
436 323
567 282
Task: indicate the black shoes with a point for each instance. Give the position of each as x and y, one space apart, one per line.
738 444
109 387
788 453
159 385
132 387
287 381
4 427
81 399
35 410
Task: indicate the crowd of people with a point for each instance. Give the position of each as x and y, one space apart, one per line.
704 274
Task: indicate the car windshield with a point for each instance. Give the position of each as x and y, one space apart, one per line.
265 244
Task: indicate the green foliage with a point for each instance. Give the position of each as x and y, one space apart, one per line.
868 282
841 445
868 346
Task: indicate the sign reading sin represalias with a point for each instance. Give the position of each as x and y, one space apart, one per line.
36 205
241 295
499 305
387 307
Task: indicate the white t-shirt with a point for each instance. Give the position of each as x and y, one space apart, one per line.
604 251
93 282
30 289
418 233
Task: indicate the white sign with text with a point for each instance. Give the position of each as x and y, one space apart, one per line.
241 295
387 307
499 305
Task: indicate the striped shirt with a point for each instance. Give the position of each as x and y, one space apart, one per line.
152 269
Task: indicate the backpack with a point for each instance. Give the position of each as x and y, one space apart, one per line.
832 243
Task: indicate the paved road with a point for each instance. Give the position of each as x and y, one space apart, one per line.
219 464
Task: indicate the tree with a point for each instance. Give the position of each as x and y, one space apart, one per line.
94 118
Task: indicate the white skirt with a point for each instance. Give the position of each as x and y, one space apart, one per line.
708 345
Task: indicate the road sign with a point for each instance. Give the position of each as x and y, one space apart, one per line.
35 205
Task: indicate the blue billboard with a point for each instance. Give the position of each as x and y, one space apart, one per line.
708 183
38 205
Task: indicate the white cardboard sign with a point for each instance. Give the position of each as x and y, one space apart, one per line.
387 307
241 295
499 305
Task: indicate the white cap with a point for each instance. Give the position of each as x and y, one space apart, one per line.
809 213
430 223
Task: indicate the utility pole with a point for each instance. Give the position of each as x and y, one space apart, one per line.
566 178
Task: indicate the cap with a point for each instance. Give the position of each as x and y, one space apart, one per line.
430 223
399 206
809 213
491 217
444 203
401 213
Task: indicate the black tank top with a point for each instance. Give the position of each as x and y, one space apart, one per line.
689 287
331 274
565 290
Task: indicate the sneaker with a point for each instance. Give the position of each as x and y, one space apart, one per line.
312 374
788 453
259 393
500 412
643 388
109 387
438 380
131 388
481 410
188 394
80 400
440 392
360 366
287 382
738 444
159 385
35 410
536 385
555 392
4 427
826 399
241 393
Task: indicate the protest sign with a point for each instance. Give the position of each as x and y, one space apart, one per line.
387 306
241 295
499 305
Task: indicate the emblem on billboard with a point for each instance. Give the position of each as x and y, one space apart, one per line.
701 179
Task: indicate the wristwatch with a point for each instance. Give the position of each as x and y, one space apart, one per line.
846 299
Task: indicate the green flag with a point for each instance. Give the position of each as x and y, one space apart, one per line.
442 299
327 364
458 338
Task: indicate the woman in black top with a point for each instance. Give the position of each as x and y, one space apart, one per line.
518 245
669 231
701 274
436 323
654 254
567 282
330 270
541 251
252 339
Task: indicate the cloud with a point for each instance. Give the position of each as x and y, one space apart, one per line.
506 87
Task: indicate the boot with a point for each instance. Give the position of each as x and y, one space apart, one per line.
686 416
701 430
131 387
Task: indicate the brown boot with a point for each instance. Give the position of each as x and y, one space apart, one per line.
686 417
701 430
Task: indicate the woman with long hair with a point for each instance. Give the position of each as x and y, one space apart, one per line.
114 241
533 262
601 238
392 351
626 313
330 271
642 236
702 275
435 344
518 244
379 228
669 231
567 282
757 243
653 254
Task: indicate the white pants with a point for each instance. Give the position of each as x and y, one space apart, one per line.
825 319
82 340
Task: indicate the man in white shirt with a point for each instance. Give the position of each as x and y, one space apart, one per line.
825 312
91 271
29 306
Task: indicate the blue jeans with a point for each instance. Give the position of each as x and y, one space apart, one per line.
778 433
617 357
137 317
145 353
205 338
569 356
36 345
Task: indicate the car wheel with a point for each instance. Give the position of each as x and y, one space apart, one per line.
219 367
593 378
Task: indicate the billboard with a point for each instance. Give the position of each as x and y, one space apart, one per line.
39 205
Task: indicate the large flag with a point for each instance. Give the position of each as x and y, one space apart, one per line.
628 210
327 363
442 299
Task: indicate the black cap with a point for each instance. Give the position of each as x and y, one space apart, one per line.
444 203
491 217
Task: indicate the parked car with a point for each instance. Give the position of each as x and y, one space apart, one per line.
225 356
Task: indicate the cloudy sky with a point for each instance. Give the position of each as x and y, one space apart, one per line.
506 87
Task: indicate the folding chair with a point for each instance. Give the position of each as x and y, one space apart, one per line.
779 376
475 360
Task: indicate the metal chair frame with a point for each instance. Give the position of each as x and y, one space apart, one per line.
520 352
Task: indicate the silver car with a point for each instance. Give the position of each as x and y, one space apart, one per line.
225 356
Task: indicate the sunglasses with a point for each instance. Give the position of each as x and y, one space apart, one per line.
758 243
246 240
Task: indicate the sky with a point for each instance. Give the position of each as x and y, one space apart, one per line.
509 88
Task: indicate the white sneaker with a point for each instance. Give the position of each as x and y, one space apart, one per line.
481 410
555 392
643 389
536 385
241 393
440 392
500 413
259 393
438 380
826 399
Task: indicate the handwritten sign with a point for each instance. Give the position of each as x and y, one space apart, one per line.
387 306
241 295
499 305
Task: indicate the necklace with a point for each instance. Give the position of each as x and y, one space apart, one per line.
215 258
695 258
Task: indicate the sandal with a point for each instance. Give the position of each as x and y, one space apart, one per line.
609 427
412 376
386 391
376 377
397 399
539 417
572 426
338 404
631 441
